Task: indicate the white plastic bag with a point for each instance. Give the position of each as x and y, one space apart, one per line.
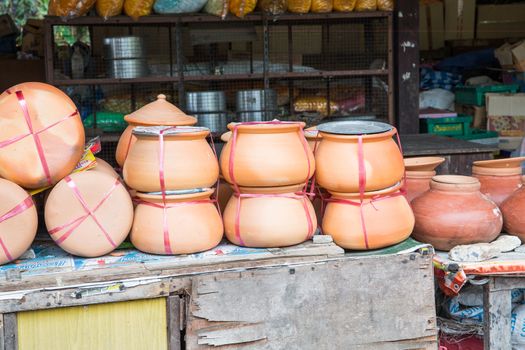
436 98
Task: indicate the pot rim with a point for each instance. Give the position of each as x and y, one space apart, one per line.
263 128
312 133
422 163
367 195
499 172
455 183
175 197
271 190
420 174
353 138
513 162
179 131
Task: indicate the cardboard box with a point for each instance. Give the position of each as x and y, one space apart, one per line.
478 113
501 21
460 19
518 56
506 113
431 26
7 26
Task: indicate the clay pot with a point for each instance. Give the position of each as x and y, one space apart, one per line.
313 137
513 219
224 195
337 158
17 232
189 161
419 172
58 131
110 203
454 212
192 228
268 155
105 168
388 219
270 221
159 112
499 178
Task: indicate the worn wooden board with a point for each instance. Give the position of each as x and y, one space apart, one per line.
497 308
384 302
427 144
10 331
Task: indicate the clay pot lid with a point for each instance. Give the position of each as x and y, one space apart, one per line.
160 112
455 183
382 192
423 163
178 130
266 127
500 163
272 190
355 127
177 195
486 171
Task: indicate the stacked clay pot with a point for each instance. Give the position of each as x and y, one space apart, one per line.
513 209
268 165
361 166
419 172
455 212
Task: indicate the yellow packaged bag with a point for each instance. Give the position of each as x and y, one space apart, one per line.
138 8
344 5
109 8
275 7
217 8
385 5
366 5
299 6
322 6
241 8
70 8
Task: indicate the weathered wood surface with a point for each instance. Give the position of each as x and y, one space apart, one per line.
10 332
2 339
173 314
497 312
427 144
382 302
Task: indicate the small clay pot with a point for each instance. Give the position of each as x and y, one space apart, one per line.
388 219
419 172
268 155
94 236
268 221
105 168
18 232
513 209
191 227
454 212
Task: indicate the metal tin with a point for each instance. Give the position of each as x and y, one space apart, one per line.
124 47
206 101
260 116
355 127
127 68
256 100
216 122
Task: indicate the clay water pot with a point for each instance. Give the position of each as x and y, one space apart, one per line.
270 221
513 209
455 212
224 195
56 146
268 155
159 112
388 219
105 168
189 161
499 178
68 222
337 156
419 172
18 221
191 227
313 137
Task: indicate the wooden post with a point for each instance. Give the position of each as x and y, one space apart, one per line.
173 316
2 339
406 65
10 332
497 309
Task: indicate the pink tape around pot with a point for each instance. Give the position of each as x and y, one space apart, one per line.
20 208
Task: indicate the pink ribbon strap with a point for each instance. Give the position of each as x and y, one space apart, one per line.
20 208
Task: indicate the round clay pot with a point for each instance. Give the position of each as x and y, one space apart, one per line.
269 221
454 212
159 112
17 232
422 163
189 161
313 137
337 159
95 235
419 172
388 219
192 227
513 209
58 131
225 193
268 155
105 168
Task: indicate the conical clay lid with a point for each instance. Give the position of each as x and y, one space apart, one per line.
160 112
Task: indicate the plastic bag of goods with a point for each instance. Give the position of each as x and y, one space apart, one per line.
322 6
109 8
344 5
138 8
70 8
517 324
217 8
275 7
315 104
241 8
299 6
178 6
366 5
385 5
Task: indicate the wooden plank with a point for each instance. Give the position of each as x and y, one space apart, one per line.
427 144
2 339
10 332
338 304
497 308
173 311
508 283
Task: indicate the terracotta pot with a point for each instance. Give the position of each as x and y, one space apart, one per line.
419 172
105 168
58 132
192 228
17 232
454 212
270 221
337 160
95 235
513 209
189 161
225 193
388 219
313 137
159 112
268 155
422 163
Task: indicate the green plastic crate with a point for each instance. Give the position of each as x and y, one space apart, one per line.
478 134
454 126
475 95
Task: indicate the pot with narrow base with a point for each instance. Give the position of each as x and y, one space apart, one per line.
419 172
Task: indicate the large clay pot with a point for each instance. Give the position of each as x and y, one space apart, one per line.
190 227
268 155
224 195
104 167
388 219
18 221
419 172
513 209
41 135
454 212
188 161
77 232
159 112
270 221
499 178
337 156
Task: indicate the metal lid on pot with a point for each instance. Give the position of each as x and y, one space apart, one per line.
168 130
354 127
160 112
